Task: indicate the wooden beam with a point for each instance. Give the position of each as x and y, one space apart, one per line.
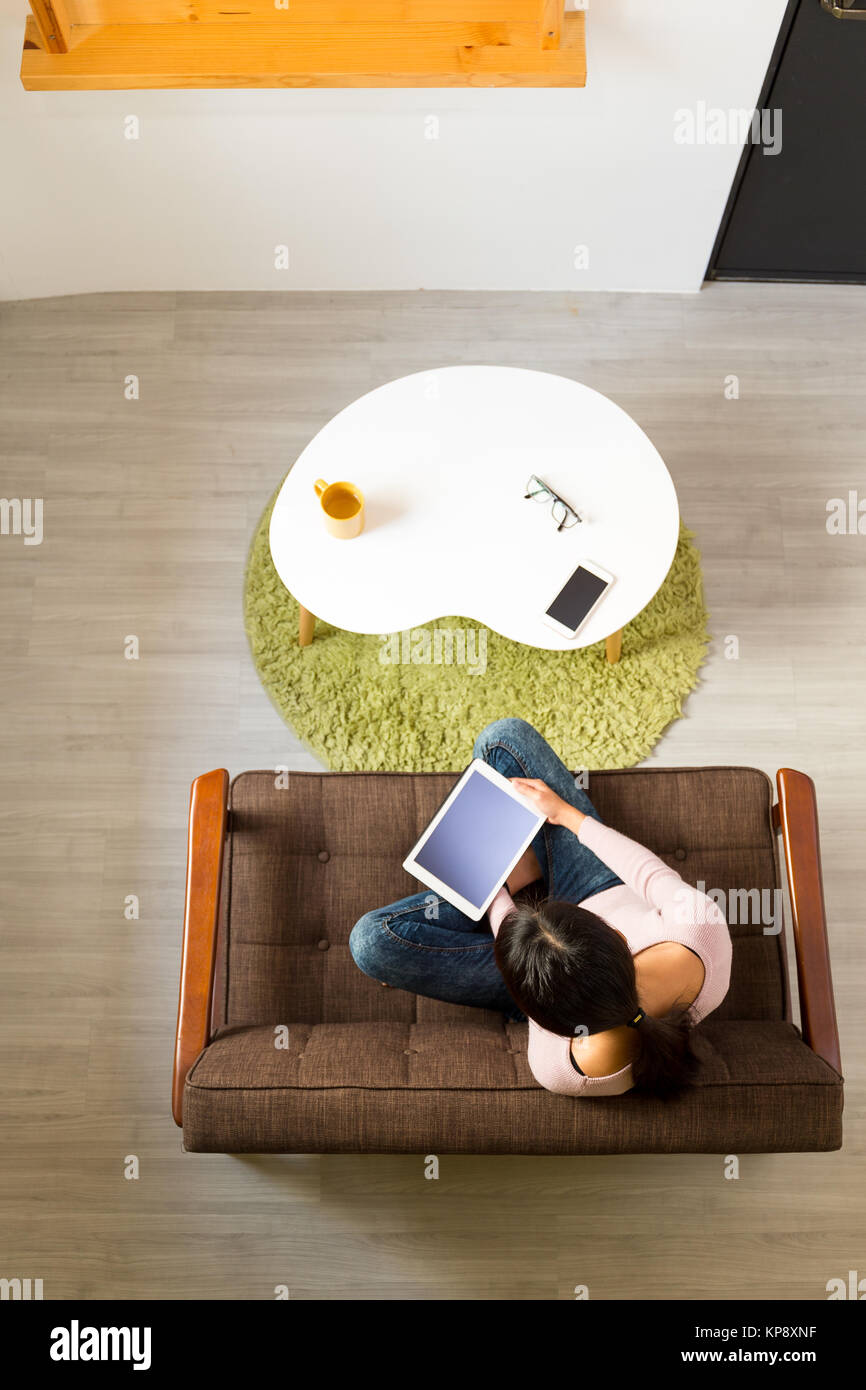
53 24
552 16
369 54
111 12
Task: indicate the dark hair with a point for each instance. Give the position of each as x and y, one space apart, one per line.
568 970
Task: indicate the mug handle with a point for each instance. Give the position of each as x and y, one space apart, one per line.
319 486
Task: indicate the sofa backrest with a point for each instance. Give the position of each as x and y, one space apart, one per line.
310 853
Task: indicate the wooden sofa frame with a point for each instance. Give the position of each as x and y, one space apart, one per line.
795 818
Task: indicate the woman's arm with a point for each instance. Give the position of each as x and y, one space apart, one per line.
639 868
548 803
499 909
647 875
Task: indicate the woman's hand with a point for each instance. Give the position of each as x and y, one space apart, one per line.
547 803
527 870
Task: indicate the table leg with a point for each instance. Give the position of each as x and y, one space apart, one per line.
306 626
613 647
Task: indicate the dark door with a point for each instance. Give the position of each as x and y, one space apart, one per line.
800 214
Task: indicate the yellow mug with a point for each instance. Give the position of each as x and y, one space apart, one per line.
343 506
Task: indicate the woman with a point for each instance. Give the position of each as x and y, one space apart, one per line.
612 969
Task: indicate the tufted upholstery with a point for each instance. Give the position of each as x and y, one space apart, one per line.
307 859
379 1069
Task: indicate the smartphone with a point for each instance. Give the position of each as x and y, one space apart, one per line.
579 596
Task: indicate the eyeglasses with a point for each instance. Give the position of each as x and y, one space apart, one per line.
537 490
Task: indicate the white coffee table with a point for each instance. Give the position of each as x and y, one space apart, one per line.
443 458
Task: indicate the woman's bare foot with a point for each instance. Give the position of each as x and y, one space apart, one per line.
526 870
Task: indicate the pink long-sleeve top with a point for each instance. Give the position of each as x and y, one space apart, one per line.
653 904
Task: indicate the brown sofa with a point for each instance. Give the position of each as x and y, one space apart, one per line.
279 870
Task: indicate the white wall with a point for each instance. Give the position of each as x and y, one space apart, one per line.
348 181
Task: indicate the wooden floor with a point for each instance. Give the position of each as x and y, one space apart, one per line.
149 506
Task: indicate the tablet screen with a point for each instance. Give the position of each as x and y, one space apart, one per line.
477 838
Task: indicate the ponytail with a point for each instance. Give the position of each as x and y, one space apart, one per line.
664 1064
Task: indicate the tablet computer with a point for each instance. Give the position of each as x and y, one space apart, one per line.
474 840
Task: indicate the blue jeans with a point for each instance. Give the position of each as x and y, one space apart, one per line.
425 945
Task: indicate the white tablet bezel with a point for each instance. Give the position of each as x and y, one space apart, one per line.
445 890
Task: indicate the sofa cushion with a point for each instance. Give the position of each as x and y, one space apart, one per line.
309 853
466 1088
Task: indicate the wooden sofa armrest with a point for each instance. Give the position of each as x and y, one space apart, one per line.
796 816
208 821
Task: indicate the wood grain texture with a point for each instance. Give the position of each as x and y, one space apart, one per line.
149 510
306 626
552 19
208 814
105 12
798 822
51 20
308 54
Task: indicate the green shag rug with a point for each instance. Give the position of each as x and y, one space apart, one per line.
361 703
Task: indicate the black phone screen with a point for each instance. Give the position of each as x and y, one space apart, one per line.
576 597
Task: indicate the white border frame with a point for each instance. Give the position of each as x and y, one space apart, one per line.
600 574
443 889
